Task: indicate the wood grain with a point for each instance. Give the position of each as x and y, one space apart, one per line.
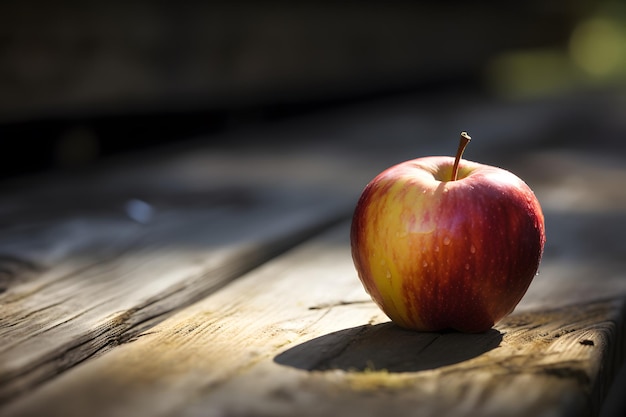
299 333
84 283
74 287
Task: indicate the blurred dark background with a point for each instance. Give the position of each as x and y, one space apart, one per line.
83 80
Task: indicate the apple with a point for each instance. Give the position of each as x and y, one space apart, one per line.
445 243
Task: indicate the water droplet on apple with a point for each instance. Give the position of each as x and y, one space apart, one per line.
436 248
473 249
537 273
446 240
425 264
402 234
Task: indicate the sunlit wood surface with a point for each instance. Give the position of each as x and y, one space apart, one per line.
217 280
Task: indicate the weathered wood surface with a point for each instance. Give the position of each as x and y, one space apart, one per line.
79 277
297 335
300 334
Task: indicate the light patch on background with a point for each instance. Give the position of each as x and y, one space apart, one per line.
594 55
598 46
530 73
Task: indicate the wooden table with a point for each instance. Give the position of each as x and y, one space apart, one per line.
217 280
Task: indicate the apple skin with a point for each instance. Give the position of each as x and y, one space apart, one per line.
436 254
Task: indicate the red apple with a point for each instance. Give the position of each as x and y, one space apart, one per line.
444 243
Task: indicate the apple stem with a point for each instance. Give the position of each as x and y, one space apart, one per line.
465 139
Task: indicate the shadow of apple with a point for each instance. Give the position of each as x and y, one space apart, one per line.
389 347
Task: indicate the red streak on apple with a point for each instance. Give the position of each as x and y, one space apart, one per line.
436 254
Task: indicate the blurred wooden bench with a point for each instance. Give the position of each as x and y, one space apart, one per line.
218 281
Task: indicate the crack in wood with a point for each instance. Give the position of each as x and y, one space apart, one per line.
338 304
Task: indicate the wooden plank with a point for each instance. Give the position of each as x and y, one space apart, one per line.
76 285
298 336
